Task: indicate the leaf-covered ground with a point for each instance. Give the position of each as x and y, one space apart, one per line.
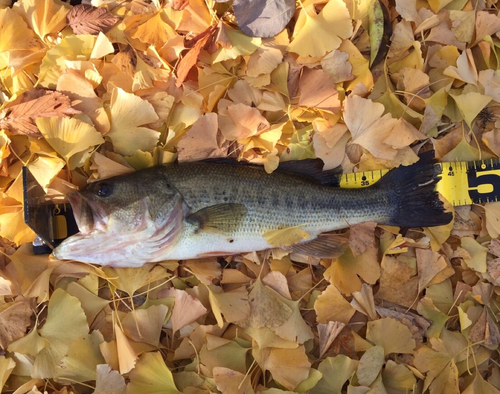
91 92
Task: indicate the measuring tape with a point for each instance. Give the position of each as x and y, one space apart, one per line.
462 183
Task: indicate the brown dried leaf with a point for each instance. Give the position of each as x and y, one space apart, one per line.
360 236
13 322
19 115
188 61
87 19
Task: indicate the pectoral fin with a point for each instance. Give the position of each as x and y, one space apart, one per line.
224 218
325 246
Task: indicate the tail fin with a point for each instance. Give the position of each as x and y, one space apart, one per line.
411 193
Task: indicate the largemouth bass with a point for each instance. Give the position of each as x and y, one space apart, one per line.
199 209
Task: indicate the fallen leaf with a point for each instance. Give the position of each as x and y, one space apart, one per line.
19 116
14 319
331 306
151 375
127 113
87 19
81 91
187 309
201 141
264 19
370 364
390 334
336 371
109 381
328 27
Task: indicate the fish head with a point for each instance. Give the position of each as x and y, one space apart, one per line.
119 218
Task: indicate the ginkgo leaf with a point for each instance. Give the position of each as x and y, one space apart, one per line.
14 319
81 91
390 334
127 113
19 116
154 29
71 47
151 375
144 325
201 141
187 309
336 371
44 21
71 138
288 367
332 306
109 381
240 45
87 19
369 131
286 236
17 36
328 28
370 364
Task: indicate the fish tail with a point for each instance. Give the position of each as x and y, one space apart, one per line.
412 194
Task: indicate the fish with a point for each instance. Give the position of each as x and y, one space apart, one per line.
209 208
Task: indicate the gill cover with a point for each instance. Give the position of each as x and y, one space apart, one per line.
124 221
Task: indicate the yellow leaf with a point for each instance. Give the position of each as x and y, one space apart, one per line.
371 130
128 112
81 91
45 169
288 367
492 211
6 367
286 236
332 306
55 61
46 21
346 270
477 260
16 37
13 228
30 344
187 309
392 335
336 371
125 353
370 364
154 29
72 138
240 121
470 105
82 357
145 325
102 47
152 376
241 45
232 304
465 70
328 28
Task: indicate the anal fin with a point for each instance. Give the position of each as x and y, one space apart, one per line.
325 246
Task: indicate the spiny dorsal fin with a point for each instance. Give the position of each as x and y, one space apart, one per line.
224 218
308 169
324 246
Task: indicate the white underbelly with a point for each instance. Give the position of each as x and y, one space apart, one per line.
208 244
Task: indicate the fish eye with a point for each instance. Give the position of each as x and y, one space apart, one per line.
104 189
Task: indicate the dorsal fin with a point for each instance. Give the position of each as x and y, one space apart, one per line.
308 169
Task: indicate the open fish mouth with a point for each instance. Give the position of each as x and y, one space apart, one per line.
88 215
